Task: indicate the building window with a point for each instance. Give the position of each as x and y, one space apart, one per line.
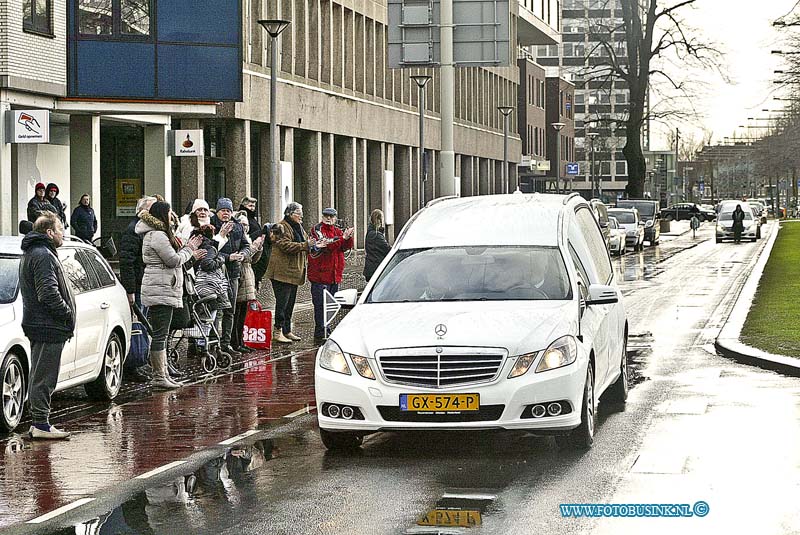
622 168
114 18
36 16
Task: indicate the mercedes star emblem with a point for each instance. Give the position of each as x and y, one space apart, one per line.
440 330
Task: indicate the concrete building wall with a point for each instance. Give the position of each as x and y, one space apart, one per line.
30 61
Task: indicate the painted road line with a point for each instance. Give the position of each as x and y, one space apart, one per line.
160 469
237 438
468 496
305 410
60 511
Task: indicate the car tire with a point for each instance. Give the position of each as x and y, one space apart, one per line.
108 383
719 240
340 441
582 437
618 392
12 394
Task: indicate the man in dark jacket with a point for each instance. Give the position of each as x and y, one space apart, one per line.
39 204
131 271
83 220
61 207
375 245
235 250
48 317
326 265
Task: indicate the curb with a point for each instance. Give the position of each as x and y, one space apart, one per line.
728 341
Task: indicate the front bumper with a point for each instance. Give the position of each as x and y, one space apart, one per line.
727 234
379 401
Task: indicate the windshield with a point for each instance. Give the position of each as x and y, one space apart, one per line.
646 209
625 218
9 278
473 274
728 216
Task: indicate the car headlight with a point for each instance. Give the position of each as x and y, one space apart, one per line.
631 232
332 358
562 352
648 223
522 365
362 367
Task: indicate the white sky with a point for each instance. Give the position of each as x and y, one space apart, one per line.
743 30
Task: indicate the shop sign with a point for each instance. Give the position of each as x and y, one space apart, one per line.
188 143
29 126
129 191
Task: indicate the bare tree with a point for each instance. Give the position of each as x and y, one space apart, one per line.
655 36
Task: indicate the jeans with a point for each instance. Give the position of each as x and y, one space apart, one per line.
228 313
319 306
160 318
45 363
285 296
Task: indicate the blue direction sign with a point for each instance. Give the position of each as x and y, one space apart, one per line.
573 169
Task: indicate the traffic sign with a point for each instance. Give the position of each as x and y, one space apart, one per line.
573 169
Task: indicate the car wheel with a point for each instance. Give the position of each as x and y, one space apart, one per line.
618 392
340 440
12 400
719 240
583 436
108 383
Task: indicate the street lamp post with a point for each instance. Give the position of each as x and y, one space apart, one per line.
592 136
422 80
557 127
506 111
274 28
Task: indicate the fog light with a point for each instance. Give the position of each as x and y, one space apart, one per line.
554 409
347 413
538 411
333 411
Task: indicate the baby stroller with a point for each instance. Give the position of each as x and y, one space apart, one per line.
198 328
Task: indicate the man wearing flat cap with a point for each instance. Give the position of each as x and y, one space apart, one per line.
326 264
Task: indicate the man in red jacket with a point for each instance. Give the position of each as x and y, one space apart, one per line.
326 264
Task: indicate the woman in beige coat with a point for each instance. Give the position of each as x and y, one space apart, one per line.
287 270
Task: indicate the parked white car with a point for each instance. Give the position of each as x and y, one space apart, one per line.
617 238
632 224
94 356
474 323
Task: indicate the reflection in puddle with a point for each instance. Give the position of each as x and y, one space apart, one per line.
453 512
180 501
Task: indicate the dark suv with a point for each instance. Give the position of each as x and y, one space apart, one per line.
684 211
650 214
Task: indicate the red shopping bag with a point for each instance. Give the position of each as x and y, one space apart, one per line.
257 333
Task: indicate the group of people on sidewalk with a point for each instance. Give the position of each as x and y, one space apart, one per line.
46 199
230 252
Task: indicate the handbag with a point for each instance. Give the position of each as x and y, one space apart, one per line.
257 331
140 345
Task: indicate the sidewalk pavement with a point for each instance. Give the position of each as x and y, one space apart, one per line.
728 342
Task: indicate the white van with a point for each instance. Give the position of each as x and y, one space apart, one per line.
497 311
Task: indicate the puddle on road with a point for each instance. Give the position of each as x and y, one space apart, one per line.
456 511
185 500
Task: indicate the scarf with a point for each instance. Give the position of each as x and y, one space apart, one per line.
298 230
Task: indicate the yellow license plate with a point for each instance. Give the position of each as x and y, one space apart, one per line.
439 402
451 518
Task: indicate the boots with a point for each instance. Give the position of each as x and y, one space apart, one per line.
293 337
161 377
277 336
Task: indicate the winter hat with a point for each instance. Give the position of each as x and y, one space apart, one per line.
39 186
329 211
52 186
224 203
199 203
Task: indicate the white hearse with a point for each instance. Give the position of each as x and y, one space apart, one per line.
489 312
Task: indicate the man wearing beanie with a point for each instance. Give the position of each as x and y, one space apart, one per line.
61 207
236 249
39 204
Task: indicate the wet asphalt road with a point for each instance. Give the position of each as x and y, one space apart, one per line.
697 426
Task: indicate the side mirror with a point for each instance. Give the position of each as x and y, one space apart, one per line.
347 298
603 224
600 294
641 222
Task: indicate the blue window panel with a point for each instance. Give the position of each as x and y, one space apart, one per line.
113 69
199 21
199 73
